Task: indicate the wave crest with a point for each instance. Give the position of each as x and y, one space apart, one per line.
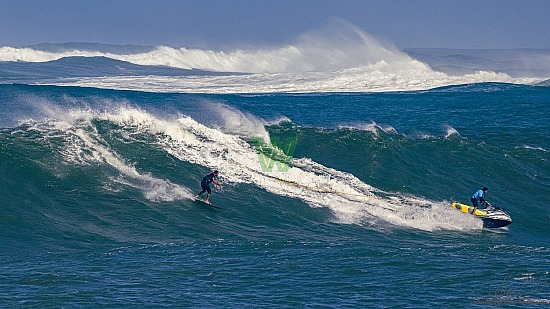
337 58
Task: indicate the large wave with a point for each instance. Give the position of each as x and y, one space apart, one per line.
229 150
337 58
337 46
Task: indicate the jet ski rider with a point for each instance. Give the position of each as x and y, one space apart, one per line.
478 198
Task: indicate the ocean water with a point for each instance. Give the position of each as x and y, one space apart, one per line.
337 177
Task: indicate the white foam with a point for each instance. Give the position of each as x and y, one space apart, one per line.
27 54
371 127
533 148
279 120
84 146
363 79
336 58
337 46
350 200
450 131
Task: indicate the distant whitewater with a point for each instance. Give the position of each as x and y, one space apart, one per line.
337 58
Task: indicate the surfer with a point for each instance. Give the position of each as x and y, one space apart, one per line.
478 198
205 184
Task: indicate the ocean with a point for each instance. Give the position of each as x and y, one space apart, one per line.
338 165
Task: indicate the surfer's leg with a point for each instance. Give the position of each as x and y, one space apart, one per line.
205 187
209 192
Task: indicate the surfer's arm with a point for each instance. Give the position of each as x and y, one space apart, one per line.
215 181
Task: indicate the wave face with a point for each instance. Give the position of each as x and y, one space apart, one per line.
337 58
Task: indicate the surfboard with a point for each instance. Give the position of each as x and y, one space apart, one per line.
468 209
205 203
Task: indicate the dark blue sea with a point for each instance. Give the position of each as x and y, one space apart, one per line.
337 182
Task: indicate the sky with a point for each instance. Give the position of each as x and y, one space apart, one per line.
233 23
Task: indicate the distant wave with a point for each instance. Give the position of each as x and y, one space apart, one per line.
544 83
450 131
376 130
377 78
372 127
337 46
337 58
532 148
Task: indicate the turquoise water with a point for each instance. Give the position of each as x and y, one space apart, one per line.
97 190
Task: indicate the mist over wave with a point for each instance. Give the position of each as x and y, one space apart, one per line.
339 45
336 58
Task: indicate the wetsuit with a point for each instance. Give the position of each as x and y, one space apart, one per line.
205 183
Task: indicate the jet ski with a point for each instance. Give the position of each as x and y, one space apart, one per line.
492 216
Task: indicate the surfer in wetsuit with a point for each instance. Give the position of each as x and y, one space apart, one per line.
205 184
478 198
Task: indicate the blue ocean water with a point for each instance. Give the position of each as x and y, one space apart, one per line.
97 183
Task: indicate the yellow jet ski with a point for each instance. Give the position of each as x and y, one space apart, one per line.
492 216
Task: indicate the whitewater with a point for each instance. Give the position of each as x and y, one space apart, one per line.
337 58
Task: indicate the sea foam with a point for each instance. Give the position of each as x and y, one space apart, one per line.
339 57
